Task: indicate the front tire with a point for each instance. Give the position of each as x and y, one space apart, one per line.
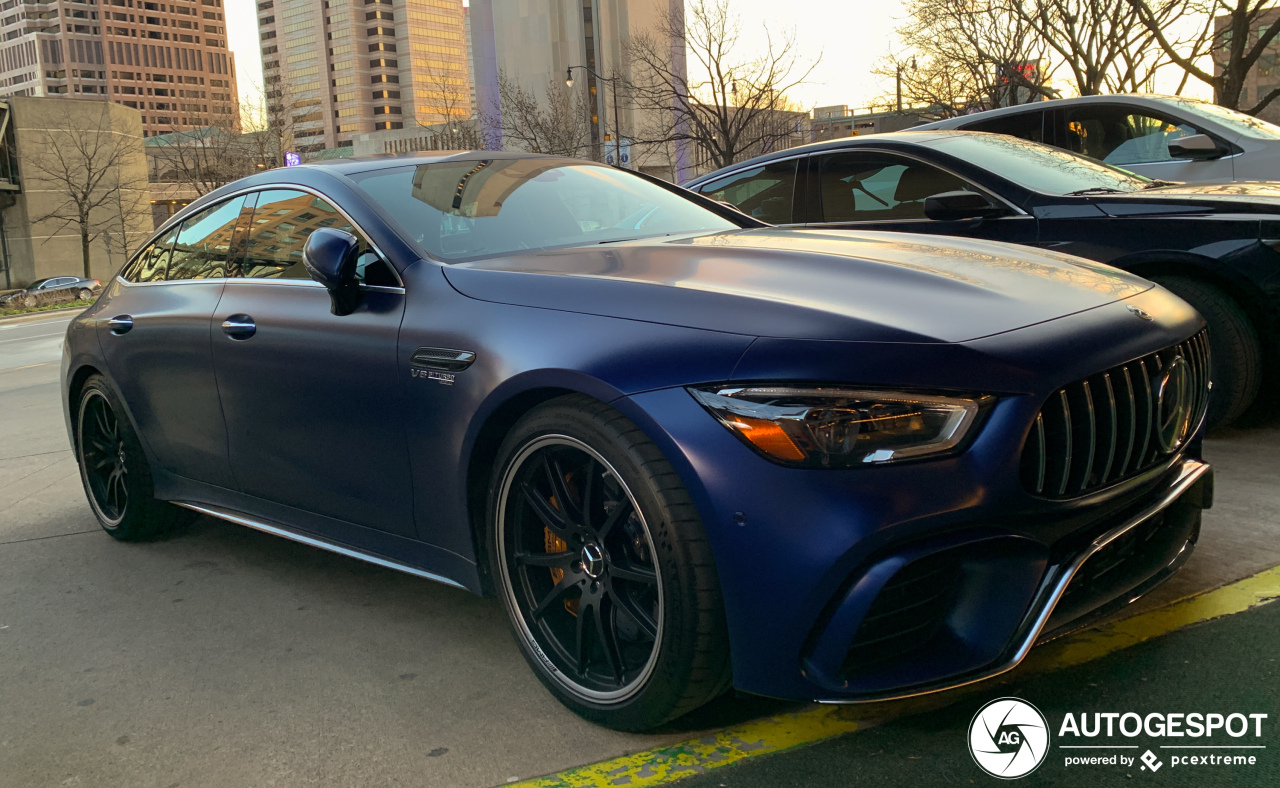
604 568
1234 348
114 468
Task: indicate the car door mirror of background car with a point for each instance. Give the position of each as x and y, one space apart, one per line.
1197 147
961 204
330 256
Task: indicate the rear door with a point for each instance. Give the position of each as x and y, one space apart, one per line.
156 343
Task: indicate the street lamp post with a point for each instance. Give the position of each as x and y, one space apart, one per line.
617 118
899 83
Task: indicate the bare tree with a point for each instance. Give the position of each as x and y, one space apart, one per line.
965 55
447 93
203 159
269 115
732 107
1235 51
96 174
1105 44
554 123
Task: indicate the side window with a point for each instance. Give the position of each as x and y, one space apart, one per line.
203 245
874 187
1120 136
765 192
1025 126
153 262
281 223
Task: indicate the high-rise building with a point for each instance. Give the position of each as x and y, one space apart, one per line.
343 67
537 42
167 60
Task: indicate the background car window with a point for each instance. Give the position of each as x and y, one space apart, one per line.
1024 125
1120 136
765 192
870 187
204 242
462 209
153 263
1039 167
282 221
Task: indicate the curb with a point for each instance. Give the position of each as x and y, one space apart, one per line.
32 317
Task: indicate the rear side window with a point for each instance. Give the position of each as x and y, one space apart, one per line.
153 262
1026 126
282 221
766 192
202 249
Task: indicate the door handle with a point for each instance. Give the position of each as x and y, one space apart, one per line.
239 326
120 324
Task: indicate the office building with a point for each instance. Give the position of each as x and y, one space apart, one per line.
167 60
1264 77
535 42
344 67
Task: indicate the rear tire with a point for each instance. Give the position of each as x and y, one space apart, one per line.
604 569
1233 344
114 469
85 294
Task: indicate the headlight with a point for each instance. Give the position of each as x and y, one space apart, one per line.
822 427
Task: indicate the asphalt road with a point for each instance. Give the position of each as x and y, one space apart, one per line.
222 656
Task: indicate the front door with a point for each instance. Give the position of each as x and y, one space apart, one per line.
312 401
1137 140
872 190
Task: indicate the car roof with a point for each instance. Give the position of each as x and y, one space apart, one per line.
383 161
1144 99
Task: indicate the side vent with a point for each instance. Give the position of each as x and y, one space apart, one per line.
442 359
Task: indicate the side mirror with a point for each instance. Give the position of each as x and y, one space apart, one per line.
963 204
330 257
1197 147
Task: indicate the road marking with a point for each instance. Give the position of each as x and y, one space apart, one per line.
37 336
664 765
29 324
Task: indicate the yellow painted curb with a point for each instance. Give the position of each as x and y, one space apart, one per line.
769 735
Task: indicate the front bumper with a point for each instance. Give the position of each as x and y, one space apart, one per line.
803 556
1080 584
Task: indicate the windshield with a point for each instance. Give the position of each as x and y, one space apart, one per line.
1038 167
462 210
1247 125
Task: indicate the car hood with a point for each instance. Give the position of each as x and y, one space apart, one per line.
1265 196
806 284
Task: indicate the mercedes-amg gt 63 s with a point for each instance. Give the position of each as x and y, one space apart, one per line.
685 450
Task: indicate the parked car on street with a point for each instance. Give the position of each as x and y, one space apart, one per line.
83 288
685 450
1213 245
1168 138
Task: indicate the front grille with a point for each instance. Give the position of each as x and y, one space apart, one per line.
906 613
1104 429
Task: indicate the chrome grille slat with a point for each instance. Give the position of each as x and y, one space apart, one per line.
1113 426
1133 423
1101 429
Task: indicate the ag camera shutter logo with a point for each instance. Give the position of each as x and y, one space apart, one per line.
1008 738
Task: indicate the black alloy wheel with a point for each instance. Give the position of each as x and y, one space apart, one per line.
103 458
604 568
114 468
581 567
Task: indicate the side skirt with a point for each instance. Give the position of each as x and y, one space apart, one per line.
280 530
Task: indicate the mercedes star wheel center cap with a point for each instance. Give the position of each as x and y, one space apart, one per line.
592 560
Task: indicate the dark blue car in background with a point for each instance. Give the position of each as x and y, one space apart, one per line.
1217 246
686 451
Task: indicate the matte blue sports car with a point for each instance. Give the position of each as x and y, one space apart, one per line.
685 450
